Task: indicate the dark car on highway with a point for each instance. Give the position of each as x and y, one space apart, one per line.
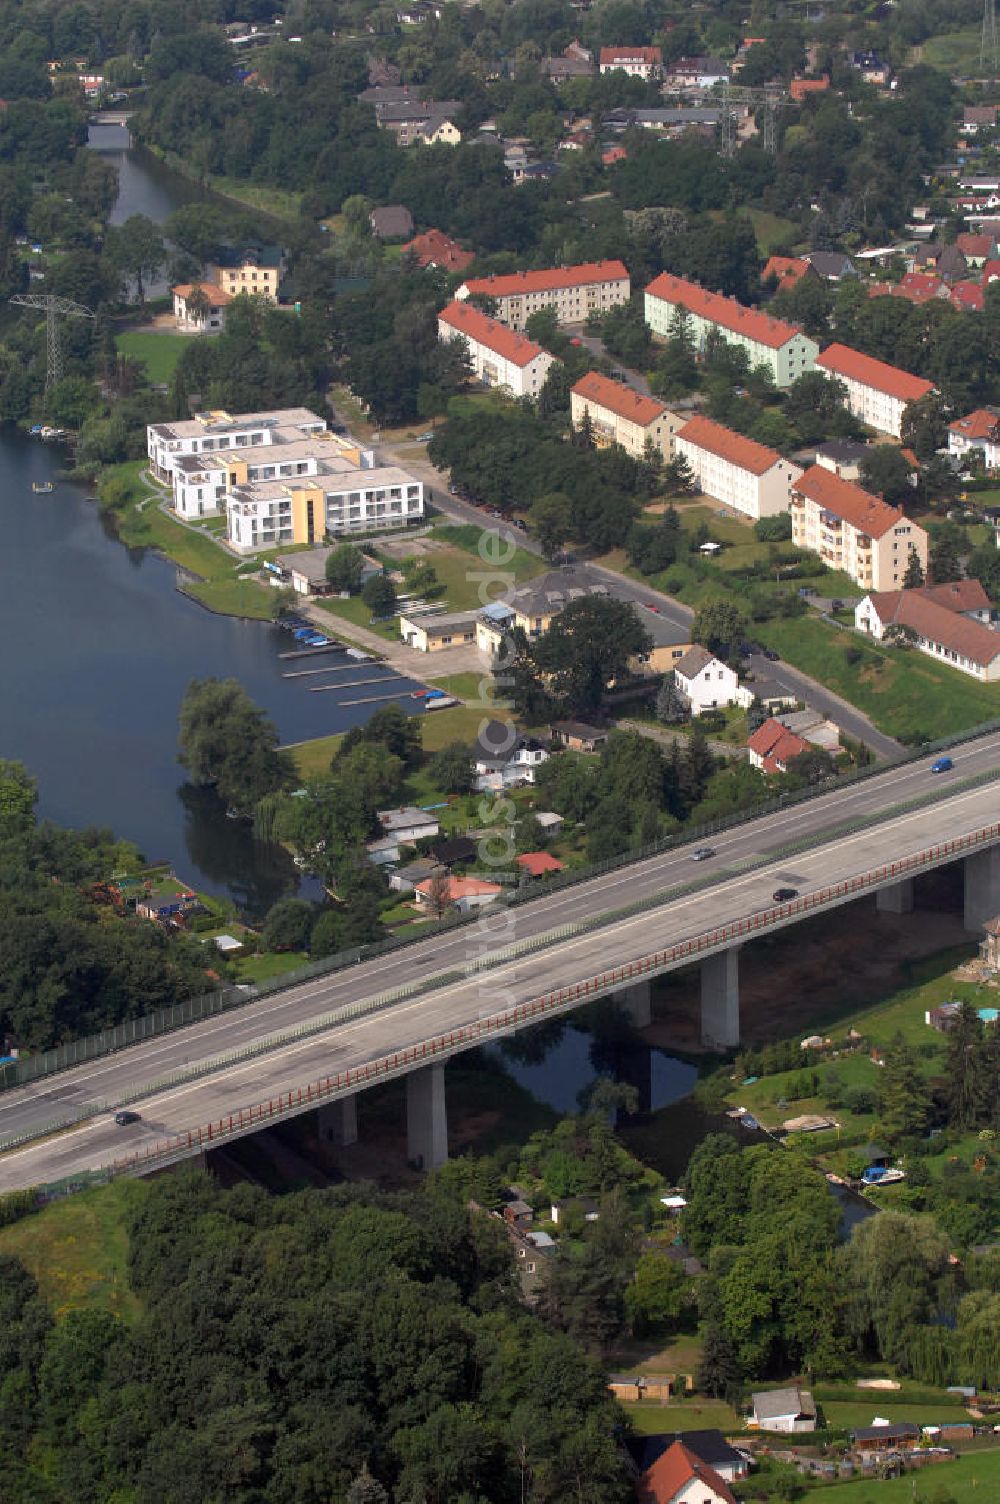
124 1117
782 895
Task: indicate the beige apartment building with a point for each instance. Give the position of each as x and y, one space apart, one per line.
618 415
573 291
854 531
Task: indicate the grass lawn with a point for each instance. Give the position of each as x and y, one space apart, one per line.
694 1413
849 1415
904 693
464 686
955 51
159 353
460 723
970 1479
270 964
276 203
76 1248
355 613
460 567
770 229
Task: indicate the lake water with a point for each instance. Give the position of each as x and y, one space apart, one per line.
100 645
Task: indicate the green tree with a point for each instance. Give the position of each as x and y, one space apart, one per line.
288 925
453 768
588 646
886 473
226 740
904 1098
655 1299
671 705
551 518
136 249
944 563
345 567
379 595
720 627
914 575
18 798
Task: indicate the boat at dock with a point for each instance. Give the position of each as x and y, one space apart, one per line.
42 487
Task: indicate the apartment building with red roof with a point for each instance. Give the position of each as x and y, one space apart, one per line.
772 747
854 531
876 393
619 415
749 477
951 623
679 1477
499 357
434 248
573 291
637 62
977 430
786 351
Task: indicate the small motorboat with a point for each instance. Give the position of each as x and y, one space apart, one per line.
42 487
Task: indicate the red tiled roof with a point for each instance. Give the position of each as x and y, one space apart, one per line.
991 271
868 513
937 623
776 745
614 154
799 88
725 311
611 55
968 295
916 287
435 249
212 291
787 269
618 398
746 453
975 245
977 425
956 595
516 348
512 283
841 360
459 887
673 1471
537 863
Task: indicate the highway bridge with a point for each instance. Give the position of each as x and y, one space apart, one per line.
319 1043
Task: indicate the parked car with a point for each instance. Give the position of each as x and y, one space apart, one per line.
521 526
425 438
702 853
782 895
942 765
772 656
127 1116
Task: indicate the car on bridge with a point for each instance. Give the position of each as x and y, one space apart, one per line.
782 895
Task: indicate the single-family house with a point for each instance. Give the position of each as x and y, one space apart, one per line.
852 530
430 632
832 266
455 851
405 878
408 823
465 894
699 72
539 863
550 822
619 415
253 269
391 222
873 69
708 1445
949 622
800 89
578 736
573 292
637 62
787 352
790 1410
772 746
680 1477
587 1208
745 475
876 393
842 456
504 769
383 852
979 430
977 248
979 117
433 248
786 271
886 1436
707 683
499 357
200 306
306 571
575 61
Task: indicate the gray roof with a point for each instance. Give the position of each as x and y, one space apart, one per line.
402 819
830 263
391 221
895 1432
549 593
694 660
768 1404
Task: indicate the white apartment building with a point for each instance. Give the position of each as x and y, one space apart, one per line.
637 62
619 415
782 347
854 531
876 393
201 482
273 513
499 357
737 471
573 291
215 432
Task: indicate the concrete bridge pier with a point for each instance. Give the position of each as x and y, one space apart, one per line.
720 999
337 1121
635 1001
426 1118
982 887
896 899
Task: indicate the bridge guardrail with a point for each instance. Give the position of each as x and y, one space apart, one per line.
193 1010
499 957
442 1046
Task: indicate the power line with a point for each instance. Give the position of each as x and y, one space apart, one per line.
54 307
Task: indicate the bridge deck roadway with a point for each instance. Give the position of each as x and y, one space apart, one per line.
410 1021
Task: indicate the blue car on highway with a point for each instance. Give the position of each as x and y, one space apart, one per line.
942 765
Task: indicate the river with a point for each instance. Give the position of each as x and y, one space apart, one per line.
101 645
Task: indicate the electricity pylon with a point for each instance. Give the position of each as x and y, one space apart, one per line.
989 47
768 100
53 307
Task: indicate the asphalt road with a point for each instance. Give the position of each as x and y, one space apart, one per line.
117 1077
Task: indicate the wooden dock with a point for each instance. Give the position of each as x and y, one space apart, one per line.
318 689
330 647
